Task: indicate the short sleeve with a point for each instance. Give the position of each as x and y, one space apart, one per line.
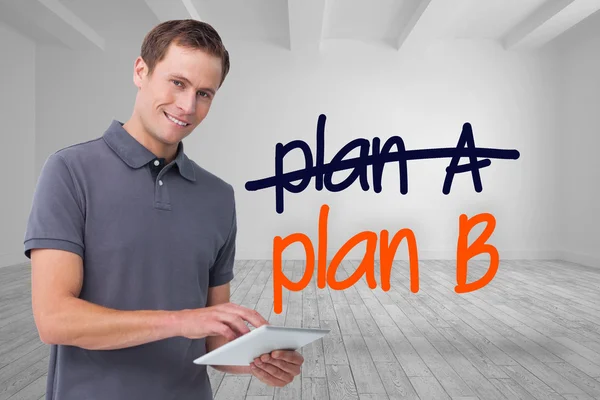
222 270
56 218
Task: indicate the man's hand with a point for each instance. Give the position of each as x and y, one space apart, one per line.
278 368
226 319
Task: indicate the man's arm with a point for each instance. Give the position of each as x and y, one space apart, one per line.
220 295
62 318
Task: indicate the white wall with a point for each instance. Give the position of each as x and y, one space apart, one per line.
424 98
273 95
580 142
17 140
80 92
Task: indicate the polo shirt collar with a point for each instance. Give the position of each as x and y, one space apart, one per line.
134 154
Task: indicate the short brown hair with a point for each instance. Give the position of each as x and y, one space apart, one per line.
188 33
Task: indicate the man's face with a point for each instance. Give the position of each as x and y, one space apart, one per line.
181 87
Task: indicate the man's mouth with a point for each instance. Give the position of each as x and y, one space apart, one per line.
176 121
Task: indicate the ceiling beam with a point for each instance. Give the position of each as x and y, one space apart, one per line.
548 21
410 26
56 20
429 20
166 10
305 19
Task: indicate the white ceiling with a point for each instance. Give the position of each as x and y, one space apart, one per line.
300 24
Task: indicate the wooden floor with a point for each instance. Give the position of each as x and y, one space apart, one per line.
532 333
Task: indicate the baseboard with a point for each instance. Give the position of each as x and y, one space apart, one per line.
357 254
578 258
12 259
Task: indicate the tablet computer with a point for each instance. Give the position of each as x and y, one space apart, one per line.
265 339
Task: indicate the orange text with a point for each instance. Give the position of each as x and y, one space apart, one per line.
387 251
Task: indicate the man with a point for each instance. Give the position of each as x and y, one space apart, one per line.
132 244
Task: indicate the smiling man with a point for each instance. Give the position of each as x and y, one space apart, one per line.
132 244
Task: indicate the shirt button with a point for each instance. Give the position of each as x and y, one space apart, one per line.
160 182
156 163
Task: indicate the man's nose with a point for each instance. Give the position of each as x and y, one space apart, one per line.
187 103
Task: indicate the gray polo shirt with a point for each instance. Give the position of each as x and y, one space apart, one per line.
149 241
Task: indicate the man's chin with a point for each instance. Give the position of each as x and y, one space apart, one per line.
171 139
173 133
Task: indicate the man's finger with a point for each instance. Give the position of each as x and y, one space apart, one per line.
236 323
251 316
290 356
274 371
290 368
225 331
266 377
256 319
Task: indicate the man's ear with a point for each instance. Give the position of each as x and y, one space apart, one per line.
140 70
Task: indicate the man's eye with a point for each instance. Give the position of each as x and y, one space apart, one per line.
203 94
176 83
